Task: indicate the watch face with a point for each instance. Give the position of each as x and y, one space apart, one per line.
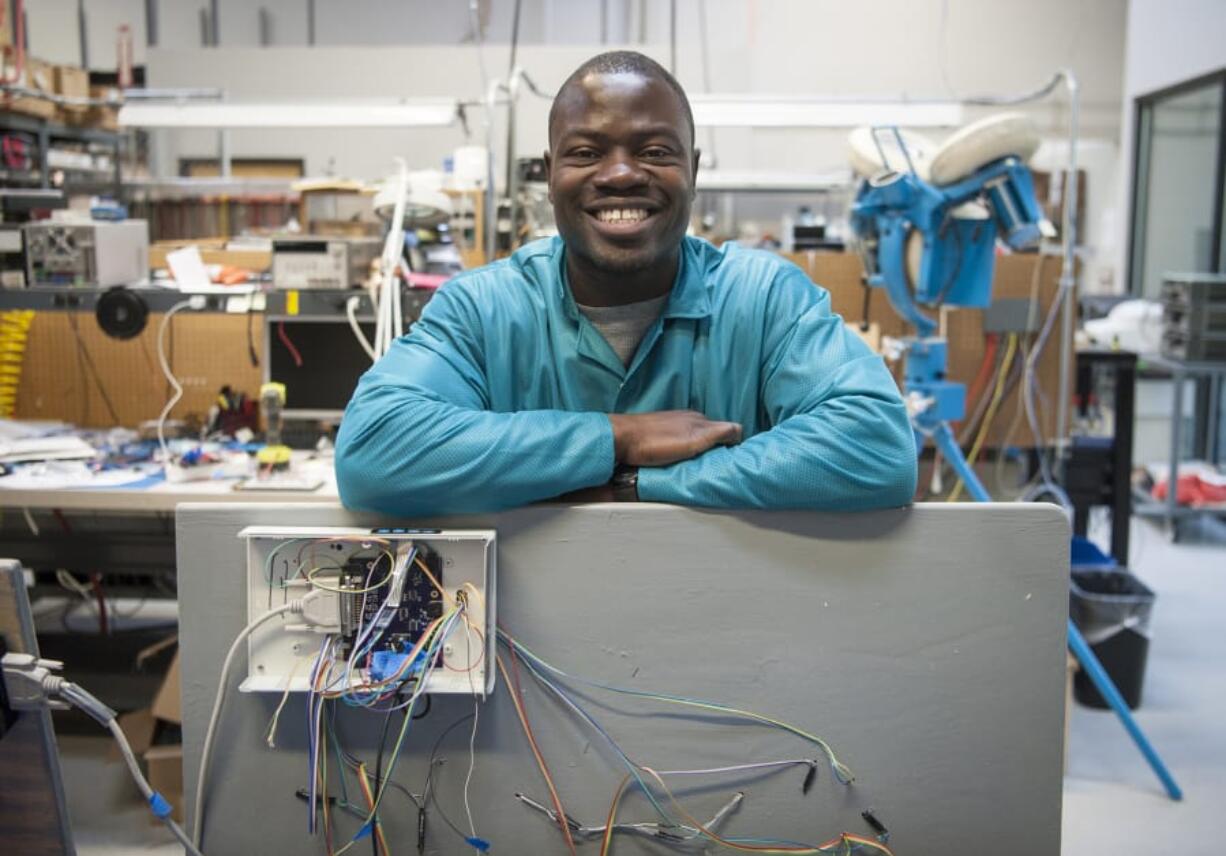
625 484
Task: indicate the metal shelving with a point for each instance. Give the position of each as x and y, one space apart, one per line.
277 302
44 132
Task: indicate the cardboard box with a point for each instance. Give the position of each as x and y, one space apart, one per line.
39 76
168 703
139 727
213 252
164 770
99 118
71 81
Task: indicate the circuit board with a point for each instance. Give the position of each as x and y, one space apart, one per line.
420 601
287 564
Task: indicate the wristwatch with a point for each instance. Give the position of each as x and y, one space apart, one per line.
625 484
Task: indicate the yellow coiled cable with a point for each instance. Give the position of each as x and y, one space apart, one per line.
14 330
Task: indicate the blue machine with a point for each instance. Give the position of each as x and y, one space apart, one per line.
897 214
923 246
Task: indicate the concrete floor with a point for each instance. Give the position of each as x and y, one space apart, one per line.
1112 802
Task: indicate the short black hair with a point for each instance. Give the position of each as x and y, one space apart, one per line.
625 62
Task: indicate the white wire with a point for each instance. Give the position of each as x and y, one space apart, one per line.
174 382
1047 485
387 325
215 717
271 737
472 738
351 308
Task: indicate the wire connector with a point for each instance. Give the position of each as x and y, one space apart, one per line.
31 682
320 610
159 806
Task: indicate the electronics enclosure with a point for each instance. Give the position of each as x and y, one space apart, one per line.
277 656
86 255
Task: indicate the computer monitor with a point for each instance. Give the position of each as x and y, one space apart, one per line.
319 360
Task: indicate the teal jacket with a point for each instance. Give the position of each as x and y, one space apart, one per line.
497 396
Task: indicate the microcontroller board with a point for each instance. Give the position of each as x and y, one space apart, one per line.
420 602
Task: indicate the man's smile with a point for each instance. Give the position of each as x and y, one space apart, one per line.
621 218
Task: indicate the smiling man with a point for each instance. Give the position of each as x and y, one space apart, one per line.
622 359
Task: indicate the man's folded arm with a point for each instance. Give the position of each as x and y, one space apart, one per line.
840 438
417 438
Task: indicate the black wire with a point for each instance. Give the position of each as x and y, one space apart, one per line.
387 720
84 352
428 794
374 816
255 360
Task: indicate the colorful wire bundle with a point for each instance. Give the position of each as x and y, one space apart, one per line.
684 821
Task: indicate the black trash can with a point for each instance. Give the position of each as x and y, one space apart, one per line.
1112 609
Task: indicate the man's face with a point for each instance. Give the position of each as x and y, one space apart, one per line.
621 171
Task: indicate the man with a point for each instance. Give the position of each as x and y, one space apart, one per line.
624 357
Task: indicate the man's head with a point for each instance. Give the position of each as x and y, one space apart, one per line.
621 163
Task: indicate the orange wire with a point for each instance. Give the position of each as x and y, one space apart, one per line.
408 662
606 844
323 785
759 848
425 569
515 693
370 804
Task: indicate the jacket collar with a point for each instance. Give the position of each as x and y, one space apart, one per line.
690 296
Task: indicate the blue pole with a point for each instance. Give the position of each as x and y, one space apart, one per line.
948 444
1097 674
945 441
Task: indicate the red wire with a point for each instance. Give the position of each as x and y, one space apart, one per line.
289 346
96 582
985 370
19 42
523 711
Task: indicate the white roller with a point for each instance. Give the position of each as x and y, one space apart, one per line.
915 240
865 159
982 142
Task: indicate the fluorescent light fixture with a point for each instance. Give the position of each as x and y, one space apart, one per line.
757 181
416 112
755 111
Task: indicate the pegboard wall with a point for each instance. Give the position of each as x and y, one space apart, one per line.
841 274
206 352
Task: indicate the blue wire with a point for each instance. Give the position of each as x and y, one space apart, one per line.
630 765
528 655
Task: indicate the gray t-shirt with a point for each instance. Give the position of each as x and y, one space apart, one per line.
623 327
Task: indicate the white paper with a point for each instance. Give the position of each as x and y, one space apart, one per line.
188 269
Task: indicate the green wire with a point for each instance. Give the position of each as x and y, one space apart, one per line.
840 769
329 722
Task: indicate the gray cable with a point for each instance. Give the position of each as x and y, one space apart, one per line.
215 717
89 704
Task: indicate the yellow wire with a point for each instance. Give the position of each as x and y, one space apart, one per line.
997 392
842 838
370 804
606 844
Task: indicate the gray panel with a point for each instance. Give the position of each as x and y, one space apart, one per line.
925 644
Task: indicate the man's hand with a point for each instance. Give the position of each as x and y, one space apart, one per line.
667 436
